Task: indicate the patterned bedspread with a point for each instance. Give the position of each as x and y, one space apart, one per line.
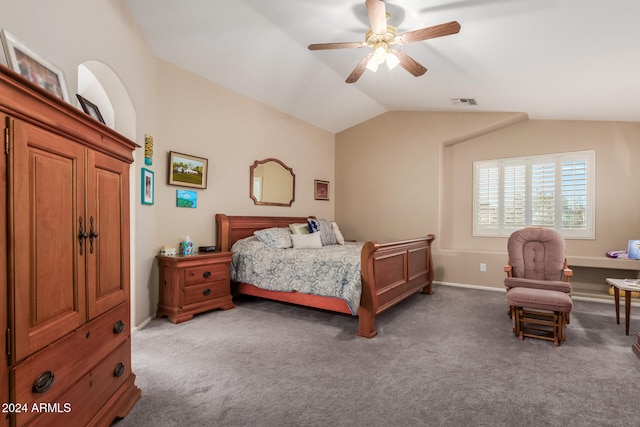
332 270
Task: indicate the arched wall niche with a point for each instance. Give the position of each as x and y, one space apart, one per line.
100 84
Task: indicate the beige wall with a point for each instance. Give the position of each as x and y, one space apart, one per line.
405 174
388 171
202 119
184 113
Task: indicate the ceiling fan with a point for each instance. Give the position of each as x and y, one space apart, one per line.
382 38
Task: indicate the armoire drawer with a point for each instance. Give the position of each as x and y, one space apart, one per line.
78 405
207 273
205 291
62 363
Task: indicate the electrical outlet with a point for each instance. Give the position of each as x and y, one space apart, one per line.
483 266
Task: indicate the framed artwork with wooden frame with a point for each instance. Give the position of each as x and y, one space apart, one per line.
90 108
26 62
187 171
321 189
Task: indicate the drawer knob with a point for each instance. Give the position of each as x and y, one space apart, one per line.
206 292
118 327
44 382
119 370
206 274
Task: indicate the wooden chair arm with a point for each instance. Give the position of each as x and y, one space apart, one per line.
507 269
566 273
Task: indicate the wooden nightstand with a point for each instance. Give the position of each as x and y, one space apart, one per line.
191 284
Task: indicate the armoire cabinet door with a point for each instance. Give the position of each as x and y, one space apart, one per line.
108 219
46 212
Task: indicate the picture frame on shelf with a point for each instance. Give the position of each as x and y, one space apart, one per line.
33 67
90 108
321 189
187 171
148 187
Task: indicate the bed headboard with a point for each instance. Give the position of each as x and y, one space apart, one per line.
233 228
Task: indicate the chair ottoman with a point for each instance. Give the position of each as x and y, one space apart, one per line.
539 313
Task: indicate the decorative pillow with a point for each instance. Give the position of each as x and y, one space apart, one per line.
337 232
275 238
323 227
314 225
302 228
306 241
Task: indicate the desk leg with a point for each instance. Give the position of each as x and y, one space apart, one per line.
616 297
627 310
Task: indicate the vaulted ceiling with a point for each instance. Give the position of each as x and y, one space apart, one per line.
551 59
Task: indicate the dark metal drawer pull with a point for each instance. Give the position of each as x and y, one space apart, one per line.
118 327
44 382
206 274
93 234
206 292
119 370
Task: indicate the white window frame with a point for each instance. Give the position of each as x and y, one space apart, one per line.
520 212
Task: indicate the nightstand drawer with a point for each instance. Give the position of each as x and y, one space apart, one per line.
205 291
207 273
192 284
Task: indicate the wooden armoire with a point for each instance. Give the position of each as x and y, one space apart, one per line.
64 263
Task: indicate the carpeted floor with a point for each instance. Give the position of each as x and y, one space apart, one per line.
448 359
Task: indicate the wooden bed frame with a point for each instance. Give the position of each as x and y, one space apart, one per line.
390 271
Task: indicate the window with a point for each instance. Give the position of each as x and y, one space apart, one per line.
554 191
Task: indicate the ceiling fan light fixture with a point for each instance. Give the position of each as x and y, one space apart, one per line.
392 61
372 65
380 53
382 39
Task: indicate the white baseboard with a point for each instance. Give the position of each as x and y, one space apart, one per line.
464 285
144 323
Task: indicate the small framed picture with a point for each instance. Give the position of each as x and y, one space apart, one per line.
321 189
186 198
187 171
90 108
34 67
147 187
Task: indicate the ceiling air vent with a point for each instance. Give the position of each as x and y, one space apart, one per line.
464 101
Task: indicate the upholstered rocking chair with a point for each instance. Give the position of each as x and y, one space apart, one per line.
537 260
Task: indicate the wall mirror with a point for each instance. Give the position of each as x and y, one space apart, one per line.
272 183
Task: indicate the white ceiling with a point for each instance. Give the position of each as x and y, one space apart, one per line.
551 59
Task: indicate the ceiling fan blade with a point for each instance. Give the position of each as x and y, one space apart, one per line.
342 45
359 70
431 32
377 16
408 63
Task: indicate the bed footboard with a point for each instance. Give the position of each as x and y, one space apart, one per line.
390 273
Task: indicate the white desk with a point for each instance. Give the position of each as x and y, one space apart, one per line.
627 285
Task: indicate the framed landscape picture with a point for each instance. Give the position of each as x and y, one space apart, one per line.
187 171
186 198
34 67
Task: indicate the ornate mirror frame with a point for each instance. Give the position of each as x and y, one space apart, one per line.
285 171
